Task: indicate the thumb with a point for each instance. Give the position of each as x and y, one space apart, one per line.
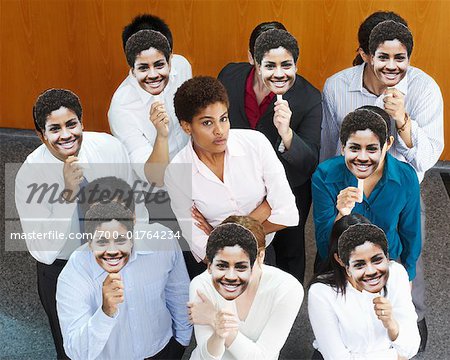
202 296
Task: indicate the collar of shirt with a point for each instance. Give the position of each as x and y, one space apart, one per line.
144 95
97 270
356 83
233 149
334 175
253 111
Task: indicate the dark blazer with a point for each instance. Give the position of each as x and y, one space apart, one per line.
305 102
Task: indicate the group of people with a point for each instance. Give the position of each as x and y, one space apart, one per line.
240 159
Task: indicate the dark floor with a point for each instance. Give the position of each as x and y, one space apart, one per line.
24 333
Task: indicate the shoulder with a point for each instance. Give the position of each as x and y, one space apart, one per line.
201 282
155 237
180 63
37 155
341 77
405 170
418 78
101 140
321 290
249 140
234 70
330 166
77 266
303 85
397 273
283 282
125 94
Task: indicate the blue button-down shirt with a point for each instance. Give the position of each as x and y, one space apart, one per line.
156 290
393 205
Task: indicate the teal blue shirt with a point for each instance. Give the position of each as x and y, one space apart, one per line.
393 205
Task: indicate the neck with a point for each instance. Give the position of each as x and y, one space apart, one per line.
258 85
208 157
371 83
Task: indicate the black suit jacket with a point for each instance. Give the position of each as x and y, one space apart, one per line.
305 102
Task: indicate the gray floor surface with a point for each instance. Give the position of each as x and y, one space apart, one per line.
25 334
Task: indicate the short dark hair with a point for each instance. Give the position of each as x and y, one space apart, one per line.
144 40
366 28
251 224
231 234
390 30
259 29
366 117
357 235
102 213
273 39
146 22
331 272
51 100
196 94
105 190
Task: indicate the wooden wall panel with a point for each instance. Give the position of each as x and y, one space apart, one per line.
76 44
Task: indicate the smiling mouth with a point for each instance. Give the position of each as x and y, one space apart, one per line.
230 287
391 76
373 281
67 144
279 83
113 261
154 84
362 167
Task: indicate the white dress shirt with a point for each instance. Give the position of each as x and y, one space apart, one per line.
154 309
344 92
129 116
252 173
270 318
346 327
100 155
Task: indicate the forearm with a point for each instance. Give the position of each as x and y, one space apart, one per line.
215 345
262 212
270 227
156 163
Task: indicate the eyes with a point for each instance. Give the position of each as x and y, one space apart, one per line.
103 242
370 148
160 64
223 119
237 267
72 124
397 58
361 264
284 65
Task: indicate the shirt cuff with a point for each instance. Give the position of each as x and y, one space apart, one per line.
183 336
239 347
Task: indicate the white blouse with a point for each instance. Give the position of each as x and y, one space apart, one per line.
252 173
346 327
265 330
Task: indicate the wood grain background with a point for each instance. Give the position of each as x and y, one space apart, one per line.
76 44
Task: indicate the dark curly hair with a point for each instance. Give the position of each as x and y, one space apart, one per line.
366 117
366 28
331 272
259 29
105 190
357 235
273 39
390 30
51 100
231 234
105 212
146 22
196 94
144 40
